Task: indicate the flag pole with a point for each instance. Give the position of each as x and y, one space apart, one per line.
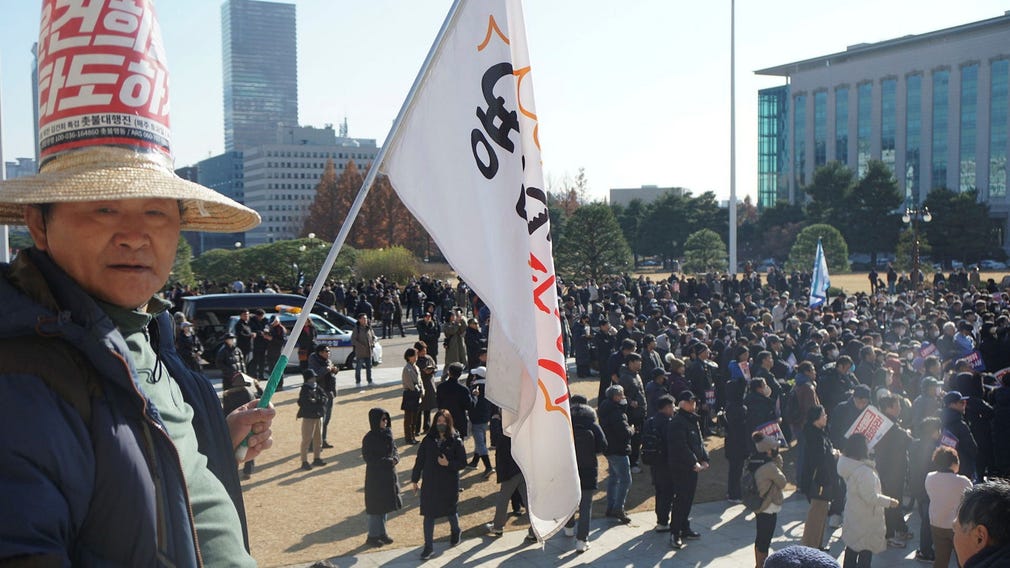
352 214
732 137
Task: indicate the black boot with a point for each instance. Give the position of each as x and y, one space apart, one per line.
473 462
488 470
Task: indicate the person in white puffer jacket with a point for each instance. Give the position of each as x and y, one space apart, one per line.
863 528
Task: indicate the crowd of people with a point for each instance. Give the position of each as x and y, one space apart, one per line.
680 360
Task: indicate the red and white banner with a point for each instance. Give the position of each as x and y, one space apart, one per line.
102 76
466 162
871 423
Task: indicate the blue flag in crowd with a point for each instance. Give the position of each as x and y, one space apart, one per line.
821 281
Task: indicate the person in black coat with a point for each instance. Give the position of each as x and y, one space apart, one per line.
382 489
590 441
737 434
686 456
699 375
456 398
428 331
842 417
920 464
957 433
760 409
978 414
892 467
1000 426
819 475
440 457
662 477
618 431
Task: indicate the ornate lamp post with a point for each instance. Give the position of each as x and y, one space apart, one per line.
912 217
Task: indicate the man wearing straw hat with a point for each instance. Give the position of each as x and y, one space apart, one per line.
113 452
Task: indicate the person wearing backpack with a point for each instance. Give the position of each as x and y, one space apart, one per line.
654 453
763 482
590 441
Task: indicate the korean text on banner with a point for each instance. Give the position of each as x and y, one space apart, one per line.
773 430
466 162
871 423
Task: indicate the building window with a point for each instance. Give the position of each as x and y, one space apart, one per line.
863 126
998 127
820 128
969 126
772 145
941 97
913 135
888 121
800 139
842 124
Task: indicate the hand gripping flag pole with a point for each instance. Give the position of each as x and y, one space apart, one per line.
352 214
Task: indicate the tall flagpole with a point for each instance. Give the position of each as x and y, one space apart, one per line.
5 244
352 214
732 137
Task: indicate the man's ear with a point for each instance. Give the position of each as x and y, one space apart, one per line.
981 534
36 223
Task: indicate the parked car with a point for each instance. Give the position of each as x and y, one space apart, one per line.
989 264
339 340
209 313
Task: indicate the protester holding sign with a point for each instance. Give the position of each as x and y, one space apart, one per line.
956 433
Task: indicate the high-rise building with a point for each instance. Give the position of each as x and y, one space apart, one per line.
280 179
35 97
21 167
260 63
933 107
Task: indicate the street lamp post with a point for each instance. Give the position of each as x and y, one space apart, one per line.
912 217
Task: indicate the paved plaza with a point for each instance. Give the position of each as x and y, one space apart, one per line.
727 540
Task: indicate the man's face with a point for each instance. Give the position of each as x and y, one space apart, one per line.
861 403
118 251
969 540
635 366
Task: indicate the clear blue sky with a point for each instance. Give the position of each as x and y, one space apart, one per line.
636 92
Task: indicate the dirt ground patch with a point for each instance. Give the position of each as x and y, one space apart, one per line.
302 516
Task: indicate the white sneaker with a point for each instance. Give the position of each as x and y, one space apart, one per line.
581 546
835 521
569 531
636 469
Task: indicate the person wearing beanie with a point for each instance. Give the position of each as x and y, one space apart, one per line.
800 557
686 455
766 466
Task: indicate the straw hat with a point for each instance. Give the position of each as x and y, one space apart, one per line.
104 127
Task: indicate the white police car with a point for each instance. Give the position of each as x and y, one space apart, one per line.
339 341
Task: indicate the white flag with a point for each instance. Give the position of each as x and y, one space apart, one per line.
820 282
466 162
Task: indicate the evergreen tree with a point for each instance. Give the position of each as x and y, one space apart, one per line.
592 245
704 251
831 189
182 269
874 225
836 251
961 228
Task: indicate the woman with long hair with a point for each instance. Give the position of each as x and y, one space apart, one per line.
440 457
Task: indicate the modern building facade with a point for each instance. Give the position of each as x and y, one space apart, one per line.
934 107
20 167
260 64
280 179
645 194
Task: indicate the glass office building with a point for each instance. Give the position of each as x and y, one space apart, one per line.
933 107
773 128
260 64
